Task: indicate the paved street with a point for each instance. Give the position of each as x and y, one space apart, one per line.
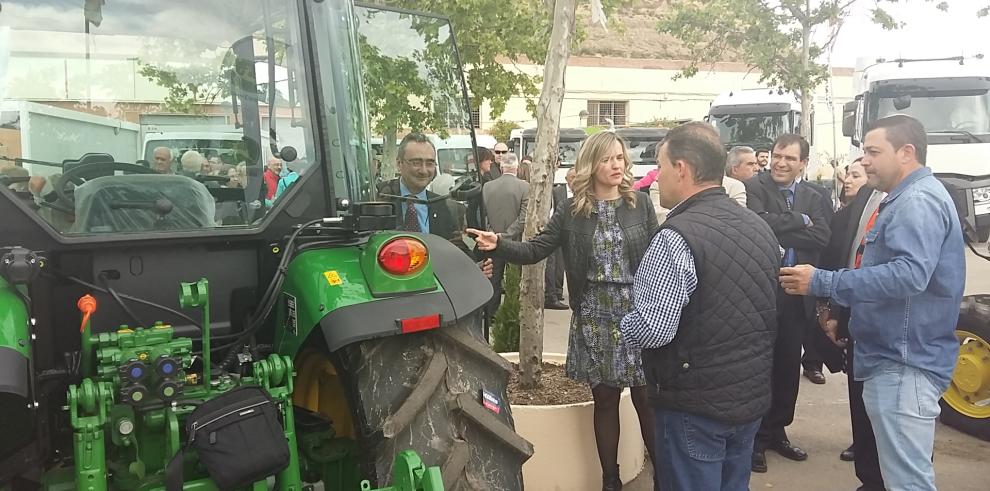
821 427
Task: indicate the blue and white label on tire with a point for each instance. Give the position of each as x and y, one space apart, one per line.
491 401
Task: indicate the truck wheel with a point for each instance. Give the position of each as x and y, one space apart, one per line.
423 392
966 404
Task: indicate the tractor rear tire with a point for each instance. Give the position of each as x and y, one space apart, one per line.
966 403
423 392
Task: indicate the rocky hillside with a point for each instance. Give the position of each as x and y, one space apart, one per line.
635 37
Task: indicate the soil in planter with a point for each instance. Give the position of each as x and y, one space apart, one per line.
555 388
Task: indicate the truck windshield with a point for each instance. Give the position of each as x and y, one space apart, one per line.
945 112
567 150
751 129
124 117
642 151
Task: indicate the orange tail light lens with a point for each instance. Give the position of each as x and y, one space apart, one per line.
403 256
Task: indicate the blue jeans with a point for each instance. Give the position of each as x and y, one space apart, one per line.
698 453
902 403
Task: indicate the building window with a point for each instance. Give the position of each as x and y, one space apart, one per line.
599 111
476 118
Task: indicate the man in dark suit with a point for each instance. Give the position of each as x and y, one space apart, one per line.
796 213
417 162
848 229
505 201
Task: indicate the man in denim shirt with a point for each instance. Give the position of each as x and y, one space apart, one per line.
904 299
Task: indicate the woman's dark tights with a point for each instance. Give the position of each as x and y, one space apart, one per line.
607 423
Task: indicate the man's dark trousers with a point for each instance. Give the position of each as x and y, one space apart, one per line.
498 274
553 278
791 320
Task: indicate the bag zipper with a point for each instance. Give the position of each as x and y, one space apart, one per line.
196 426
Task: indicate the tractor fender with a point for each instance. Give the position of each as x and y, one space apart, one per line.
14 342
15 371
348 311
465 290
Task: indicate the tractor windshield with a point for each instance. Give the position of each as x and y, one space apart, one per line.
128 116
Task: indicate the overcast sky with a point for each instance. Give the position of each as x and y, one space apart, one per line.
928 33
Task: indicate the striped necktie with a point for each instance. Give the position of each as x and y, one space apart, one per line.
790 255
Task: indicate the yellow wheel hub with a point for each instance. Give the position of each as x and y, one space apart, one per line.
319 389
970 390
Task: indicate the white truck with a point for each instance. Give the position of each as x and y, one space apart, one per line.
523 142
951 98
27 130
755 117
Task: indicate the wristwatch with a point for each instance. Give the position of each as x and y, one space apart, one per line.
822 308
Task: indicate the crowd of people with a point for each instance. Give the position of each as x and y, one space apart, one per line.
708 302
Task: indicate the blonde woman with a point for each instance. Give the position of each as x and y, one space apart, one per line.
604 231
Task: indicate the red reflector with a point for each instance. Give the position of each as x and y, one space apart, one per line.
416 324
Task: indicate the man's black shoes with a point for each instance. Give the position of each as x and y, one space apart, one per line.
815 376
789 450
557 305
759 461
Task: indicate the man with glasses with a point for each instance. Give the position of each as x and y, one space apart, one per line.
417 163
501 150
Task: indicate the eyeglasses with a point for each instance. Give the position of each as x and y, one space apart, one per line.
421 163
501 152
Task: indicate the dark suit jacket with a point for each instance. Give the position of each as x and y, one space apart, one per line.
575 236
835 256
441 220
763 196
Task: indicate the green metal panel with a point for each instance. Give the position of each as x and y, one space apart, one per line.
14 331
323 280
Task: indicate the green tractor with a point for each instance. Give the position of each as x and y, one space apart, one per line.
201 286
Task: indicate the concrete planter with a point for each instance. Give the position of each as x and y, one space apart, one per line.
565 456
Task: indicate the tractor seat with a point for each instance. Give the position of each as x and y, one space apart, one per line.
142 203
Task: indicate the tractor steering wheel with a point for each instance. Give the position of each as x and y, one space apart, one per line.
82 173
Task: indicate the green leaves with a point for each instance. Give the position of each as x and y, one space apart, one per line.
502 130
767 38
487 33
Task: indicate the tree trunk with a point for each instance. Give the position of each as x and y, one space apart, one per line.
540 189
807 93
389 153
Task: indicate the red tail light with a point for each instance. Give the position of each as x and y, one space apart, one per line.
403 256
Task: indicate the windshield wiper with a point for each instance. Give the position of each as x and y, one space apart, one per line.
972 137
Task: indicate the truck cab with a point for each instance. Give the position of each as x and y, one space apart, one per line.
569 143
755 117
951 98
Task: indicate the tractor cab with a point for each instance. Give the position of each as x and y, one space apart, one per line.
191 227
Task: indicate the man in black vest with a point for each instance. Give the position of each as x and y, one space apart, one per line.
796 213
705 316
